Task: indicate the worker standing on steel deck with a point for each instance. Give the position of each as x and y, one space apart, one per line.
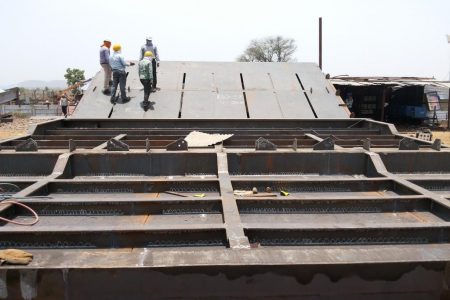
146 75
118 64
104 62
148 46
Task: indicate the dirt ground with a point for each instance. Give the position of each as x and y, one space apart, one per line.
18 127
443 135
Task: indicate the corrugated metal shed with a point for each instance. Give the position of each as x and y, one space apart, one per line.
391 81
9 95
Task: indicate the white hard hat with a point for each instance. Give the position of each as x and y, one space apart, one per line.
149 38
107 40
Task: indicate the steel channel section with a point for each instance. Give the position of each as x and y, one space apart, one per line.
354 218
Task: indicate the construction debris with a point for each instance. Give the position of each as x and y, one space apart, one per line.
201 139
176 194
15 257
424 134
244 193
284 193
6 118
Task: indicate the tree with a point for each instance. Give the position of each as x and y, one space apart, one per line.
73 76
269 49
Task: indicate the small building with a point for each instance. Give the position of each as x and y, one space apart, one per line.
9 95
395 99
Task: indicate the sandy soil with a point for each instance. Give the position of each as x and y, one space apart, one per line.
443 135
18 127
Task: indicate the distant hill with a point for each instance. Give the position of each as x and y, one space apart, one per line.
34 84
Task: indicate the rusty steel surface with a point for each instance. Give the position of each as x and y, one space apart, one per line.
352 223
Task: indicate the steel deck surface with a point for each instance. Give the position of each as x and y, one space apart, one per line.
210 90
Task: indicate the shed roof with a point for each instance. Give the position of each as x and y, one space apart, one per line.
390 81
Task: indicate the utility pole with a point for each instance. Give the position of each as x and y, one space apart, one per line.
448 41
320 43
448 102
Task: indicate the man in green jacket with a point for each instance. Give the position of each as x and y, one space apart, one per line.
146 75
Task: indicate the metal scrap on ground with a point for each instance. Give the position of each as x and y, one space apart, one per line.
201 139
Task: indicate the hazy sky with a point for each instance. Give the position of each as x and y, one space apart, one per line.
40 38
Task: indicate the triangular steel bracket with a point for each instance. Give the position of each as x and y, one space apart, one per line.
436 145
326 144
72 145
29 145
147 145
295 145
264 144
408 144
116 145
366 144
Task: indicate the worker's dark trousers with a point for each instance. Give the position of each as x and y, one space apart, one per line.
155 81
147 83
119 77
64 110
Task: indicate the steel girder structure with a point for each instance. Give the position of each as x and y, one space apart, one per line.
362 220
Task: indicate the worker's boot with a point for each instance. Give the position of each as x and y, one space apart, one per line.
146 103
106 92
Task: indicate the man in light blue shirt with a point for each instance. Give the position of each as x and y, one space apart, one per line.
118 65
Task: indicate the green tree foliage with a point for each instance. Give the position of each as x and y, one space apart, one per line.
269 49
73 76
